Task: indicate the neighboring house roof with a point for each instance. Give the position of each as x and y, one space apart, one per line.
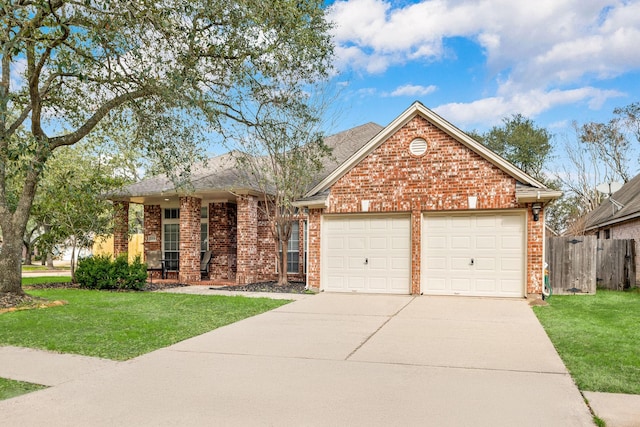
608 214
528 189
219 175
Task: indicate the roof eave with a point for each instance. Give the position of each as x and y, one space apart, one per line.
542 195
613 221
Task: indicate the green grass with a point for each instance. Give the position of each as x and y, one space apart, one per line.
11 388
45 279
122 325
40 268
598 338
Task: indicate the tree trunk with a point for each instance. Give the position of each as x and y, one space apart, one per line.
282 271
27 254
73 261
10 263
49 260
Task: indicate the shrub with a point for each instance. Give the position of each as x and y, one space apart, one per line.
101 272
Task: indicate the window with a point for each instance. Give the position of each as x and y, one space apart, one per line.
293 249
204 230
172 213
171 245
607 233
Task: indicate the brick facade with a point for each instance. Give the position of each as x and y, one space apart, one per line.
152 232
120 228
266 260
248 239
394 180
189 239
222 240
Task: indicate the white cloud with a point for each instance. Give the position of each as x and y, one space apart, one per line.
490 111
538 44
413 90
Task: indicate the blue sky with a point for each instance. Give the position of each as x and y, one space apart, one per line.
475 62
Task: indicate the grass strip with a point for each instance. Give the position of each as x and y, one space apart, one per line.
122 325
11 388
26 281
598 338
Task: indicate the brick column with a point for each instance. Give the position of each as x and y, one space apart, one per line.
247 239
189 239
120 228
313 234
416 230
535 261
152 232
222 232
152 228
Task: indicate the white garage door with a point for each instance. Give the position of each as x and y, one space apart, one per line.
474 254
366 254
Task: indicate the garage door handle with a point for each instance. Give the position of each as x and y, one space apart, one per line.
366 261
471 261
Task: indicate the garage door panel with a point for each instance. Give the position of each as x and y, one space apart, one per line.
378 243
376 254
460 242
335 262
485 242
355 243
495 242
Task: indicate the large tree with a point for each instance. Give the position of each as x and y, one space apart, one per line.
166 69
521 142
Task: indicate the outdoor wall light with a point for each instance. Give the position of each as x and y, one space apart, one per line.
535 209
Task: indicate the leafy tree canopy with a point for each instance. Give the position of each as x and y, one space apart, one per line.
170 70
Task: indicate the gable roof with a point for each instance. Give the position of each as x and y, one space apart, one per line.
607 214
527 190
219 175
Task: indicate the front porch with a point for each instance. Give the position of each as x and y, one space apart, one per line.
182 228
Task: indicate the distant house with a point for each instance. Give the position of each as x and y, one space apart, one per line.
415 207
619 217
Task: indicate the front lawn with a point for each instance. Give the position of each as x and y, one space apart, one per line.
26 281
11 388
598 338
122 325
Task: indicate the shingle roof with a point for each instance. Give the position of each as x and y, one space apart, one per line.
220 173
605 214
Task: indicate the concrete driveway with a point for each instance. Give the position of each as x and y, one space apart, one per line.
334 360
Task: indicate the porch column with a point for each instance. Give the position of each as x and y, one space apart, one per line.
120 228
189 239
247 239
222 240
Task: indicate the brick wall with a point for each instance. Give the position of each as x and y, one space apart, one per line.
247 239
153 232
535 252
120 228
629 230
313 272
266 259
222 240
189 239
394 180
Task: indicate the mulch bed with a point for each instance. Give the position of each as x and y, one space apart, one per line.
291 288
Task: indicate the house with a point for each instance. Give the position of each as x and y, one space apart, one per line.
416 207
618 217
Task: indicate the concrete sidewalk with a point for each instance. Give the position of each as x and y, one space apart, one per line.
332 360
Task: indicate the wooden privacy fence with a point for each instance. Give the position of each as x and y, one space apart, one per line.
579 264
615 264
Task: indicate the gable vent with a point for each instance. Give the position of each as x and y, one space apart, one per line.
418 147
